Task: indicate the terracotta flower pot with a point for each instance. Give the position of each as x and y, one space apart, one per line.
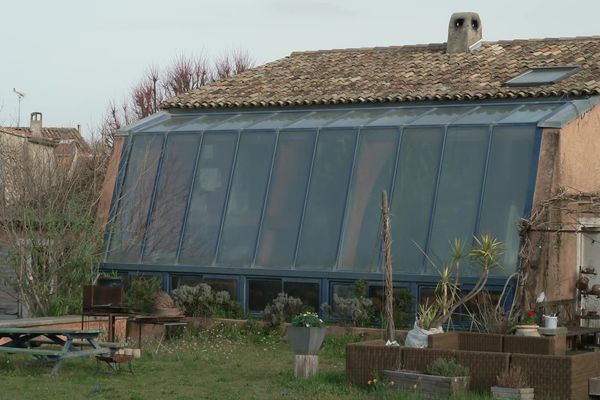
306 341
527 330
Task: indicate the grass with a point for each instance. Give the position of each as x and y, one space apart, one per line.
224 363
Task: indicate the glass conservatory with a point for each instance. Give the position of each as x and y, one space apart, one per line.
259 202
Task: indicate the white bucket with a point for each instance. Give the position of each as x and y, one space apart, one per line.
550 322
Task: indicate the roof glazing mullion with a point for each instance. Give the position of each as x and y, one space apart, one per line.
484 180
338 254
189 200
434 203
153 196
265 200
306 193
226 202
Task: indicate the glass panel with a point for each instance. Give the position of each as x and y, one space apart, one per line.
326 200
459 191
400 116
486 115
286 199
169 124
241 121
403 305
172 195
418 163
136 193
442 115
355 118
279 120
372 174
261 293
530 113
540 76
222 285
305 291
427 296
318 119
204 122
178 280
246 198
506 189
208 196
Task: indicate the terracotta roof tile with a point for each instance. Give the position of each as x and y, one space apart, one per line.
54 134
403 73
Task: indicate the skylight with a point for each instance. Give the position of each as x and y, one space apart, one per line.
543 76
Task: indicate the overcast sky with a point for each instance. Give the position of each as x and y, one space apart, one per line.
71 57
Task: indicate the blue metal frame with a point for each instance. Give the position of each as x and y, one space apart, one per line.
325 277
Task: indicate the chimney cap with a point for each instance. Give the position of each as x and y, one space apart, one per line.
464 30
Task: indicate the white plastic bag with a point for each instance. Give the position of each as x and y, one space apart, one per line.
417 336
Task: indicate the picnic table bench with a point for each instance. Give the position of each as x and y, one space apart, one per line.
25 340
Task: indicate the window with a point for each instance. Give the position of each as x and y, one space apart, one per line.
286 199
217 284
208 197
246 197
261 293
320 234
308 292
543 76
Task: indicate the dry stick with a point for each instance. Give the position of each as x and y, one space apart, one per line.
387 262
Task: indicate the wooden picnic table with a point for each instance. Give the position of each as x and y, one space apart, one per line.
27 341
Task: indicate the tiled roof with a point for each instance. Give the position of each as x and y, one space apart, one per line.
404 73
54 135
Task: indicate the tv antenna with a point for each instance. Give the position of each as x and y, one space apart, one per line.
20 95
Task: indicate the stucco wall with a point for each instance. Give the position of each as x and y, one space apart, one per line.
569 161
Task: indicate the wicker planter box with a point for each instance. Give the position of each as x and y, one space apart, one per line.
509 393
428 385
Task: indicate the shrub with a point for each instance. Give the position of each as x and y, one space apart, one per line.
201 301
355 311
282 309
141 292
444 367
514 378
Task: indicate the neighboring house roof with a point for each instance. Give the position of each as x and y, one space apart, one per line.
52 136
404 73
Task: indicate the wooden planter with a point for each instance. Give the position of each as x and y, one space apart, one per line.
428 385
510 393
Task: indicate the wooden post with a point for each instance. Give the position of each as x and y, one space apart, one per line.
305 366
390 329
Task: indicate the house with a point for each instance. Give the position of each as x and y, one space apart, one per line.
271 180
30 156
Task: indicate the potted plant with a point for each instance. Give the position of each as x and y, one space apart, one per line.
529 324
512 384
306 334
443 378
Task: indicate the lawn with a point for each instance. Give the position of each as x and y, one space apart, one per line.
224 363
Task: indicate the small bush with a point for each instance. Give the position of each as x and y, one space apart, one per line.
307 319
141 292
201 301
282 309
355 311
444 367
514 378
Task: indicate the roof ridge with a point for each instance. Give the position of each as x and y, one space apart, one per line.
443 44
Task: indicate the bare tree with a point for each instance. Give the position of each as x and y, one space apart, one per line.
185 73
48 219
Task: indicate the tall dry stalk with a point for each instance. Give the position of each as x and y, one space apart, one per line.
390 329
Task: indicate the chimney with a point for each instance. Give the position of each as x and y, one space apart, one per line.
35 124
464 31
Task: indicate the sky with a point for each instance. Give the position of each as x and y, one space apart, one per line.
71 57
